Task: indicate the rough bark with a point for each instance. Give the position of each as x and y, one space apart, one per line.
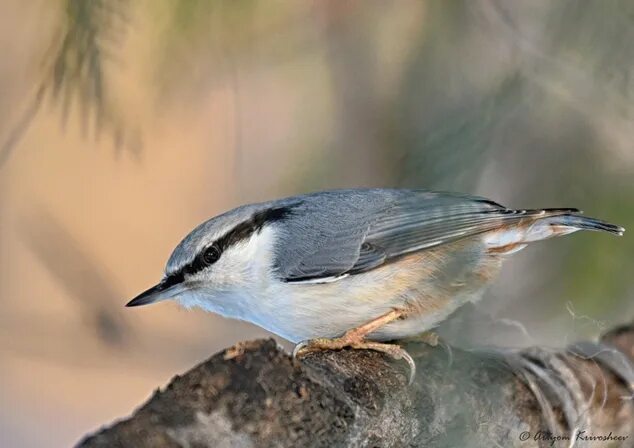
253 395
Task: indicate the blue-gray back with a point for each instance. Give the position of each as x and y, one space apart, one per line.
350 231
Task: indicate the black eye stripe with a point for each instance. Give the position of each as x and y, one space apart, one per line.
206 257
240 232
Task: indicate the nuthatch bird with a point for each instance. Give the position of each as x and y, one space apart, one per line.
353 268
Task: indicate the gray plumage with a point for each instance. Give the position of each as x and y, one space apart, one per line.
352 231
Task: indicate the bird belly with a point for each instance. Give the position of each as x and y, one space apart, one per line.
428 286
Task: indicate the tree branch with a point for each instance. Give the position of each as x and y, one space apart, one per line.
253 395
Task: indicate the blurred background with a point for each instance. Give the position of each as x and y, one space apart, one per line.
123 124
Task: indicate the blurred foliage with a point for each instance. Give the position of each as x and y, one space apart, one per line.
83 277
200 41
75 69
450 152
596 36
91 33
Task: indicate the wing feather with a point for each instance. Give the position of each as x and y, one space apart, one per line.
359 234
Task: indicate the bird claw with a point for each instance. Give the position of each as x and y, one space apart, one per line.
300 349
392 350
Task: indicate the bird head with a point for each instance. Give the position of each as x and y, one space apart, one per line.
221 258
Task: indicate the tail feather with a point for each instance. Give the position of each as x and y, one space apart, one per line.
586 223
555 222
535 225
575 220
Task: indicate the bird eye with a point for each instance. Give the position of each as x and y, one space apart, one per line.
211 255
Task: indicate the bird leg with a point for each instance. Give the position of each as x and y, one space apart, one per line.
356 338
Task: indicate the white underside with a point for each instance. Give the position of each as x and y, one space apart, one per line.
300 312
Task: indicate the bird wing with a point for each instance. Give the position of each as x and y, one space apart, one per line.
339 235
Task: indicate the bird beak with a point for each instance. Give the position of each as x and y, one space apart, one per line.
161 291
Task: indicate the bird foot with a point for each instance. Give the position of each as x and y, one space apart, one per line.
321 344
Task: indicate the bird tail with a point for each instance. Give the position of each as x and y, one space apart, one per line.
536 225
551 222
